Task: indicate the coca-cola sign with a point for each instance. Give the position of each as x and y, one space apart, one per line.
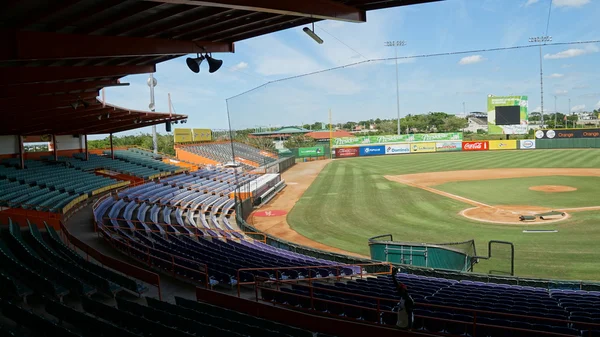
475 146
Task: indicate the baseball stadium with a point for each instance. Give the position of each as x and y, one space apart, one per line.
480 224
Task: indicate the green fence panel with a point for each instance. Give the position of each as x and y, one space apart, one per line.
419 255
543 143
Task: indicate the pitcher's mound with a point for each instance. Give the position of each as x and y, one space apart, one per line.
553 188
508 214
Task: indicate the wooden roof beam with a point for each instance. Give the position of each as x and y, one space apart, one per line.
29 46
29 90
20 75
318 9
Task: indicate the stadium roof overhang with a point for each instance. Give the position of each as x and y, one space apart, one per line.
56 53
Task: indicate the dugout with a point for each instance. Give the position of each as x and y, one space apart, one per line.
456 256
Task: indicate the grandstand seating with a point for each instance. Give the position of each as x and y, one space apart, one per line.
527 307
222 152
203 212
39 262
48 186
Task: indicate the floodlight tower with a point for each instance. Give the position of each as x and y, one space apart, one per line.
397 44
541 39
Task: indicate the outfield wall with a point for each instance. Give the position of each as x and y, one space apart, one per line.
455 146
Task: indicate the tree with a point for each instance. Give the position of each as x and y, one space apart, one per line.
262 143
454 124
388 127
297 141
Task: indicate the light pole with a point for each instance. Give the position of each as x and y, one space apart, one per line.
397 44
555 112
539 39
152 83
572 122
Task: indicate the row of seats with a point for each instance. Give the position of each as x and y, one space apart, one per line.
183 200
526 308
144 160
34 261
223 153
45 186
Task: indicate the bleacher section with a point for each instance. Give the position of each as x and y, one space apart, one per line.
534 310
39 263
51 187
222 153
195 209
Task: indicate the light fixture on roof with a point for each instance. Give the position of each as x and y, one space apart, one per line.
194 63
312 34
107 115
99 117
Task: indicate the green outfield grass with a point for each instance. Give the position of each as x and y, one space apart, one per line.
515 191
351 201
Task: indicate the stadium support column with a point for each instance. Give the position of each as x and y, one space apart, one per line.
21 152
112 151
54 150
87 154
152 83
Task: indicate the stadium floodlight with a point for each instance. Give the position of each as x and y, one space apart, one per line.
312 34
396 44
541 39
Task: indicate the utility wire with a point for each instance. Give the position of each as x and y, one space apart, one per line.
342 42
413 57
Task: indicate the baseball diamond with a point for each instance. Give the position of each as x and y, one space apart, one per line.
453 197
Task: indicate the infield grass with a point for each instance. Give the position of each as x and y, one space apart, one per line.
515 191
351 201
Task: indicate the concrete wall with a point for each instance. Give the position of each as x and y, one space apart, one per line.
9 144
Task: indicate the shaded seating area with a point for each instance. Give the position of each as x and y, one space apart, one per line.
48 186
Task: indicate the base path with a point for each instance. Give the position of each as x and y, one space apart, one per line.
498 214
298 178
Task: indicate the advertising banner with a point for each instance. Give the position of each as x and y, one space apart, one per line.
202 135
344 152
507 115
422 147
527 144
315 151
411 138
503 144
372 150
182 135
397 148
448 146
475 146
567 133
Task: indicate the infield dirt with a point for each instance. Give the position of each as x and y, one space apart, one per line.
508 214
298 178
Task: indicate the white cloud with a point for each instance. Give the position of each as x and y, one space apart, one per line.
566 66
240 66
556 75
560 92
580 86
572 52
531 2
578 107
598 105
471 59
569 3
537 109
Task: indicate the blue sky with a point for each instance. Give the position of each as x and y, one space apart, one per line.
369 90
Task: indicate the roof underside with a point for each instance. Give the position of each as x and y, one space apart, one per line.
55 53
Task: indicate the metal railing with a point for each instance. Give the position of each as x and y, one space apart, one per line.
278 271
126 247
266 285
